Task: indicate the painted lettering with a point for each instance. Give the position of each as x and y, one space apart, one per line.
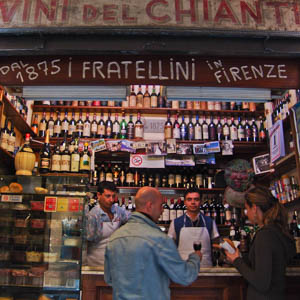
90 13
277 6
41 7
97 68
109 13
150 72
281 70
139 69
225 12
270 70
247 11
70 67
180 70
86 67
55 67
179 12
257 71
160 71
126 64
126 15
8 14
205 10
245 71
26 11
113 68
4 70
150 8
234 71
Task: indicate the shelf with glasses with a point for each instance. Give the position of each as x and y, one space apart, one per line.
158 110
19 122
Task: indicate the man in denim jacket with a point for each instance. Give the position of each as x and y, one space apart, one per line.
140 260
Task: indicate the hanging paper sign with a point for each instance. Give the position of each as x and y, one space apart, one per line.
212 147
50 204
276 141
187 160
128 146
73 204
62 204
11 198
145 161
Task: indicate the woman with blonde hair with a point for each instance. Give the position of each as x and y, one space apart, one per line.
271 248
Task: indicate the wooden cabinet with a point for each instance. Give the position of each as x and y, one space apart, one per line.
204 288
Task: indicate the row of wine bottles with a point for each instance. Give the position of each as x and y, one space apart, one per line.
171 177
198 129
8 137
147 97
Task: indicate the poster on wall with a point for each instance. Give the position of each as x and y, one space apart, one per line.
296 118
277 149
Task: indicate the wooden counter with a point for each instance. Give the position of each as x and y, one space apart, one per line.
212 283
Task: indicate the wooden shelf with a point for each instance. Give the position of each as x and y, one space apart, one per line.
65 174
19 122
113 109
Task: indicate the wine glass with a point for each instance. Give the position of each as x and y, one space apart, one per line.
197 245
217 255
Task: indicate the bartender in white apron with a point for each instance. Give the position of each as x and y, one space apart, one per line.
101 221
194 226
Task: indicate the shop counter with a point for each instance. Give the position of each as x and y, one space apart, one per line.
212 283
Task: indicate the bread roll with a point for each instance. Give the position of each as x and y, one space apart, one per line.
4 189
40 190
15 187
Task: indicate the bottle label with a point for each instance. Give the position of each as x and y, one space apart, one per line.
178 179
101 130
71 129
153 101
210 105
116 128
175 104
176 133
166 215
132 100
4 140
241 133
79 127
139 100
108 131
205 132
65 126
85 162
11 143
55 166
139 131
45 163
109 177
168 132
179 213
94 128
198 133
75 158
129 178
51 128
42 126
65 163
87 129
173 214
199 180
233 133
57 129
226 131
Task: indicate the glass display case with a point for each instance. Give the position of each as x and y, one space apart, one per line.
41 237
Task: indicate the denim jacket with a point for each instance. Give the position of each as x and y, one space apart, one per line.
140 261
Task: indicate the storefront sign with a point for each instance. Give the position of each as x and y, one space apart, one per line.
271 15
163 70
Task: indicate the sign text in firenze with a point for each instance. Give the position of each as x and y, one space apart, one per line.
272 15
172 70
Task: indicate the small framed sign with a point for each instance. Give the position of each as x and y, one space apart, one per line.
261 163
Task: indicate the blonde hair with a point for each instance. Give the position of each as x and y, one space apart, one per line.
273 211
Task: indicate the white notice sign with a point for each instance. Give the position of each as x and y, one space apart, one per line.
145 161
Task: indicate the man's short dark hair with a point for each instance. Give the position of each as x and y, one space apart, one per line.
192 190
106 185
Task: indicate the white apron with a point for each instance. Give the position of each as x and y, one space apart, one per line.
190 234
96 251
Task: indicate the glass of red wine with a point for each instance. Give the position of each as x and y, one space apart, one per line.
197 245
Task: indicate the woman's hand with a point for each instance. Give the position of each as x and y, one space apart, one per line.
232 257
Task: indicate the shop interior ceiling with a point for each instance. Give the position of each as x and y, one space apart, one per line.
119 93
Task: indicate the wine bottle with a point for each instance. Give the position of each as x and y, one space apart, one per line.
85 160
65 163
94 126
154 98
109 173
262 132
161 98
139 128
190 130
205 132
254 129
147 99
43 126
219 129
87 127
198 129
130 128
79 126
240 130
72 125
57 126
233 130
50 125
123 127
116 128
4 135
168 128
173 214
166 212
212 132
56 159
108 127
65 125
11 142
101 127
45 156
35 125
183 129
75 158
226 130
132 97
176 128
139 97
248 132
